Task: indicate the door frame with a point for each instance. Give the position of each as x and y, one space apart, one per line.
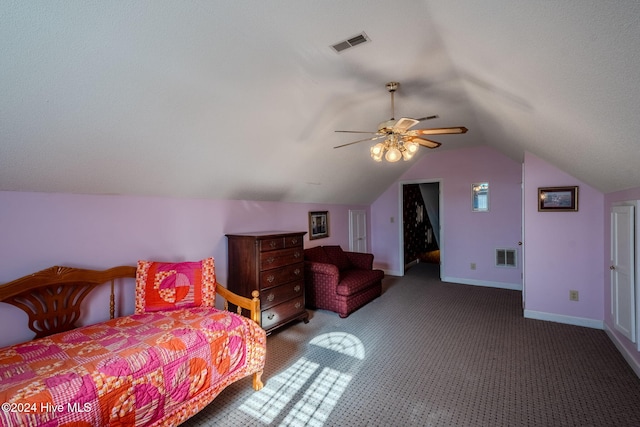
401 184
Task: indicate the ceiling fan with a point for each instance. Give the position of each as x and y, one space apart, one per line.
399 140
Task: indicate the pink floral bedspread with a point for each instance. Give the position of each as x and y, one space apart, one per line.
145 369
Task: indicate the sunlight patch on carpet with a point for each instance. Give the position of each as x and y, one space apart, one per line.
319 399
341 342
266 404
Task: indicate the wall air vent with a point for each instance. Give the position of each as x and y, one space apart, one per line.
351 42
506 258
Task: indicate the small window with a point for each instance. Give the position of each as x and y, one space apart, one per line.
506 258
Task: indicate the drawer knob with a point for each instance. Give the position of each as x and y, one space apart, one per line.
271 278
271 297
297 305
270 260
270 316
294 241
296 254
297 288
297 271
272 243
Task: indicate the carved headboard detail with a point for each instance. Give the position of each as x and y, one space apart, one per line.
52 297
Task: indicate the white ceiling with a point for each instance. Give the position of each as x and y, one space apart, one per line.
240 100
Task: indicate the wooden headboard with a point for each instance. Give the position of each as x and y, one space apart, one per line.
52 297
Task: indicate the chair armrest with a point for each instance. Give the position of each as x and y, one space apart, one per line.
360 260
319 272
322 268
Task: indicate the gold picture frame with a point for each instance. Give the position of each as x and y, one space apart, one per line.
318 225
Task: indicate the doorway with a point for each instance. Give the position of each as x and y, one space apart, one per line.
420 229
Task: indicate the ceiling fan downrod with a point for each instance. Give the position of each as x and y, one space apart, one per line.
392 87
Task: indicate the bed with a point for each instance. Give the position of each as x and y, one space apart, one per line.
158 366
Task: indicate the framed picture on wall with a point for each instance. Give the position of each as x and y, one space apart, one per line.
558 199
318 225
480 197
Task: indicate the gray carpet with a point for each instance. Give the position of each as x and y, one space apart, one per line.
428 353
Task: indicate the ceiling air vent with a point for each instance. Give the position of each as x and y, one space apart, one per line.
353 41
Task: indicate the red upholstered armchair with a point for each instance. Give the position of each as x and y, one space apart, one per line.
338 280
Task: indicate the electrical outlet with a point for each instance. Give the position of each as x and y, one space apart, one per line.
473 266
574 296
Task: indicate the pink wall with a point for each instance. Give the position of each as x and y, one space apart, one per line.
563 250
466 236
99 231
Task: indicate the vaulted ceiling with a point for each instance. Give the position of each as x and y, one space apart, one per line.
240 100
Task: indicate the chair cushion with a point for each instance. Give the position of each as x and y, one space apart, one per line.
356 280
316 254
338 257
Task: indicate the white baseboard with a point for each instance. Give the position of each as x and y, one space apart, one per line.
635 365
391 272
561 318
473 282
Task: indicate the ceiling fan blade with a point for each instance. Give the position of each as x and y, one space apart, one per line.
403 124
437 131
354 131
361 140
426 142
435 116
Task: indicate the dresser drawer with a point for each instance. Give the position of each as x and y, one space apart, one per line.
282 312
279 294
275 259
272 244
278 276
292 241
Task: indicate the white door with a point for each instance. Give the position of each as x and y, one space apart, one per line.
358 231
622 270
520 243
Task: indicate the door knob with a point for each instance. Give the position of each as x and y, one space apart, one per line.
519 243
612 267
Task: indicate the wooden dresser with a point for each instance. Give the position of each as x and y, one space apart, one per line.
271 262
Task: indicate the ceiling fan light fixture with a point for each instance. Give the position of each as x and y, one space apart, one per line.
411 147
401 142
393 155
408 149
377 151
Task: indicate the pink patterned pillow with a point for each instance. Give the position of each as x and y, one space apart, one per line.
169 286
